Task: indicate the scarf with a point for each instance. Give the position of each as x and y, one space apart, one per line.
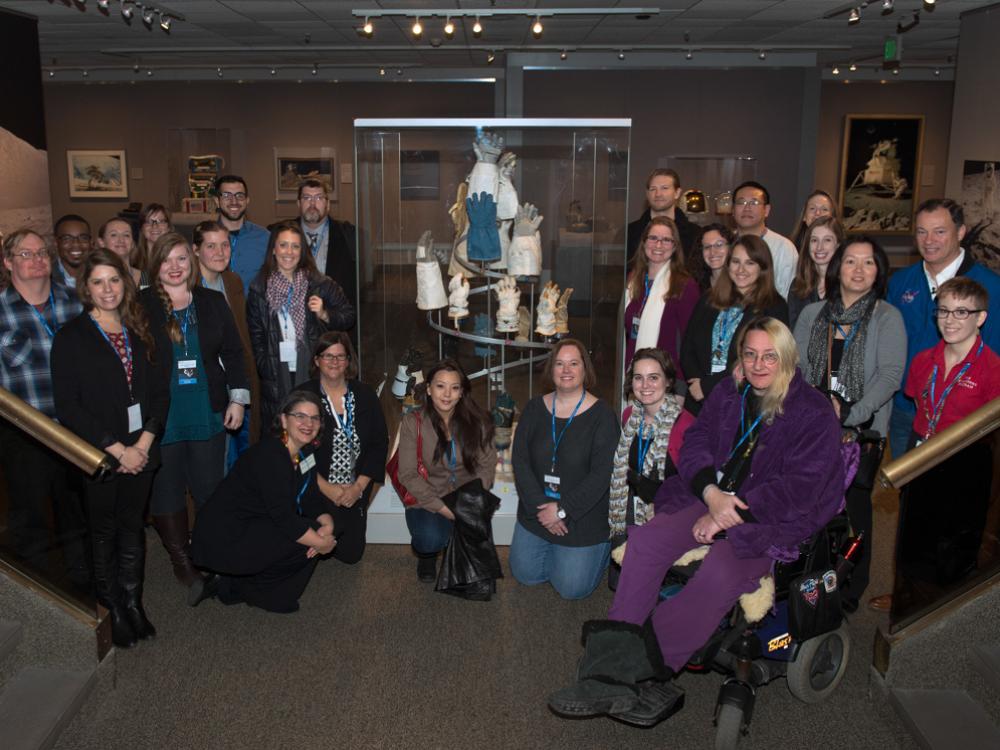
656 458
649 317
277 297
851 373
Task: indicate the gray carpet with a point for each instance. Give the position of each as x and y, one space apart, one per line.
375 659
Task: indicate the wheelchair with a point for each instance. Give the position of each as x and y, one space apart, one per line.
754 646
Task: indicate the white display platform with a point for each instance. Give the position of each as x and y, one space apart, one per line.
387 524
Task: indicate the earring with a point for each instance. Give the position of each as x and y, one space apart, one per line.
284 437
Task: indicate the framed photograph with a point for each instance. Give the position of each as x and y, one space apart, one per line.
419 175
97 174
880 172
981 202
293 165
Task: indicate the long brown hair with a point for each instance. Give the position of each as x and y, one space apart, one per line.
131 312
806 277
724 293
640 265
802 226
306 261
140 249
161 249
471 426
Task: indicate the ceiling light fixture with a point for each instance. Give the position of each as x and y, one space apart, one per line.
490 57
218 71
853 67
381 71
149 73
689 55
126 11
147 16
835 71
854 17
103 4
563 55
937 71
902 28
929 3
315 68
621 54
368 28
536 27
886 7
477 28
417 29
762 55
449 28
274 71
165 22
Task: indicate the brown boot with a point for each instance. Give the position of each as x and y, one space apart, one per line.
173 531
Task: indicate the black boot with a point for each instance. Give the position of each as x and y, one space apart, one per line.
173 531
131 565
109 593
617 656
204 588
427 567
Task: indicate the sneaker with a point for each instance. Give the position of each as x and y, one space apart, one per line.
427 569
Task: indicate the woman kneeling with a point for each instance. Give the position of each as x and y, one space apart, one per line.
762 464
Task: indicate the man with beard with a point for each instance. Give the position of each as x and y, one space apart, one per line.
663 189
72 243
751 207
247 240
333 243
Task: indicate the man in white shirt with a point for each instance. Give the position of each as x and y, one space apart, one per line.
751 207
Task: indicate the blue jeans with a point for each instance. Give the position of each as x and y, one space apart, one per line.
574 572
429 532
238 441
900 429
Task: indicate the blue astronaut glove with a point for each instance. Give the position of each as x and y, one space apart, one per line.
484 241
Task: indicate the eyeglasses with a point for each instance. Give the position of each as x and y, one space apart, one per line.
29 255
665 241
299 416
233 196
159 222
959 313
313 198
74 239
748 202
718 245
331 358
768 358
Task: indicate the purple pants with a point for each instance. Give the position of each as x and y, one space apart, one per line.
684 622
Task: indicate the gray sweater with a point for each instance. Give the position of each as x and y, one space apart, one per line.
884 360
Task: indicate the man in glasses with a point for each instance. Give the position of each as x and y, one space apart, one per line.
73 238
663 190
332 242
33 306
247 240
751 207
940 227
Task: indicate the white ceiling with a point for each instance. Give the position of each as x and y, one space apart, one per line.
292 35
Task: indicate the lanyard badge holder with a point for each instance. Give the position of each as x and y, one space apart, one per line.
937 406
636 319
187 369
287 346
134 412
552 481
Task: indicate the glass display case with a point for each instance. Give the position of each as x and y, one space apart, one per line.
708 184
412 177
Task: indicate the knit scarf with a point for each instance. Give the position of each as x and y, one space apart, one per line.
851 373
277 297
656 458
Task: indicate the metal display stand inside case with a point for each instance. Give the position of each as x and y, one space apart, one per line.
407 175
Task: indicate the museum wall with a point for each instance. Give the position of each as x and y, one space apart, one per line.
974 130
932 99
702 112
258 117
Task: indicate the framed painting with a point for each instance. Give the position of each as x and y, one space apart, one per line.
880 172
97 174
293 165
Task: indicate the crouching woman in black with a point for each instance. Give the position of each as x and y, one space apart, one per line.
261 531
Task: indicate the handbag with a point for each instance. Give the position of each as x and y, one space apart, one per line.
872 447
814 605
392 468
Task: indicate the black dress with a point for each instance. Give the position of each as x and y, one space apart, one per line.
248 529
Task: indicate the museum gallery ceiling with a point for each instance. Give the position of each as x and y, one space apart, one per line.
322 38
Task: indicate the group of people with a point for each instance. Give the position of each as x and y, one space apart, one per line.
195 366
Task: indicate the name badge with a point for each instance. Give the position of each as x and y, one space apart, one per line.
307 463
718 367
552 486
836 386
134 417
634 333
286 353
187 371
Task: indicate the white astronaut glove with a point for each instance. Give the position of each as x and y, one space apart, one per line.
508 298
506 193
524 257
430 285
485 175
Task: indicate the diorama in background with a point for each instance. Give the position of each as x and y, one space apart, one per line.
880 172
981 201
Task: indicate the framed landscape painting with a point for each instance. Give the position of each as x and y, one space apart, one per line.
97 174
880 172
293 165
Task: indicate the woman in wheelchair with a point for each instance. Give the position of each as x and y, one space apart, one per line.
759 472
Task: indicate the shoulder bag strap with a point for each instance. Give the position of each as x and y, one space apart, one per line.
421 469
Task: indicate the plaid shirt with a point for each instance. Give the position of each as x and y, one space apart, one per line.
25 343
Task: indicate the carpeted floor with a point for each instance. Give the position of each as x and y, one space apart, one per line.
375 659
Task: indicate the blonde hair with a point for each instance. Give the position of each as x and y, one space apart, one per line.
773 400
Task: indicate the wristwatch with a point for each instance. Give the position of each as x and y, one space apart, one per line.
560 513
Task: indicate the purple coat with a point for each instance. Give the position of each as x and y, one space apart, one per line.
673 322
796 480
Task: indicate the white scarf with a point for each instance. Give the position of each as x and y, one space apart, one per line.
649 322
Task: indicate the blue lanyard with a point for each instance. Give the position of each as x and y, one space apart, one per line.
302 489
41 318
645 297
452 462
938 406
644 445
347 426
184 325
557 440
128 349
286 308
746 433
848 337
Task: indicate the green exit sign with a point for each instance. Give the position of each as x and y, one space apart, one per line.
892 49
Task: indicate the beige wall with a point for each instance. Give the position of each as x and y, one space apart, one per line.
932 99
259 116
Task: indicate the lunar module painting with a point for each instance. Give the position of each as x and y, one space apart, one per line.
879 173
